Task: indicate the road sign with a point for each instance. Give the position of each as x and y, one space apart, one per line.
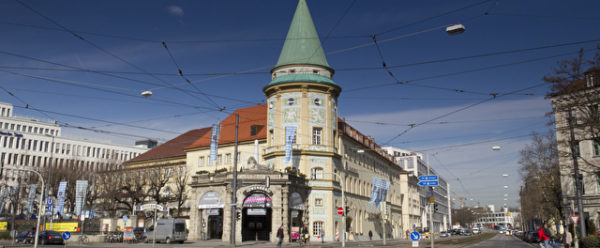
415 236
66 235
125 218
574 218
151 206
428 183
49 201
340 210
428 178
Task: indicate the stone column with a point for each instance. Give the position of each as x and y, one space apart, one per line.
227 215
285 212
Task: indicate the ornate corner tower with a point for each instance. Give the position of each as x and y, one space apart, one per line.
302 102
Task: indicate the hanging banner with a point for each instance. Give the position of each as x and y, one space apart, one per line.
290 138
80 192
2 198
31 198
379 191
214 143
60 197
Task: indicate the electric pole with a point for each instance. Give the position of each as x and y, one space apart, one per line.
573 143
234 184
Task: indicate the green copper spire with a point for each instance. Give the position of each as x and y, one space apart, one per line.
302 44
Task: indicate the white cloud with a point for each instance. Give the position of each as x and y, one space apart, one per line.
175 10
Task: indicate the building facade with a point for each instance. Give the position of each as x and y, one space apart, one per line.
416 166
33 144
296 161
577 120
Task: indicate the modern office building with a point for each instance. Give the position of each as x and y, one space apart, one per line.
34 144
415 164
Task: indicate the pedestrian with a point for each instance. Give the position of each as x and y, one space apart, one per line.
322 233
568 239
407 234
370 235
543 237
280 236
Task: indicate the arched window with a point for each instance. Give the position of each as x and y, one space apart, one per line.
317 173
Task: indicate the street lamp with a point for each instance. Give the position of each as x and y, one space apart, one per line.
40 206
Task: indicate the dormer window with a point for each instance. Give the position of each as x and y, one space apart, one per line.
590 81
254 129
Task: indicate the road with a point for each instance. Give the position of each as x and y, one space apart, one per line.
498 241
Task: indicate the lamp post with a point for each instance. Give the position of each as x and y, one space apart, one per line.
40 206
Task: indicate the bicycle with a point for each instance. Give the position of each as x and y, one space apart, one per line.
83 239
303 239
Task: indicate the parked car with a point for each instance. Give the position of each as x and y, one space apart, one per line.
25 237
467 233
51 237
475 230
168 231
444 234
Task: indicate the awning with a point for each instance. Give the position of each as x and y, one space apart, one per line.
210 199
257 200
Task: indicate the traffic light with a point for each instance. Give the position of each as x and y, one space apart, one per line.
435 206
238 215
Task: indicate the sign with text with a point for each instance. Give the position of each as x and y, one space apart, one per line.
428 178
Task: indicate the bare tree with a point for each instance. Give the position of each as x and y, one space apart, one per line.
575 85
158 190
541 194
181 181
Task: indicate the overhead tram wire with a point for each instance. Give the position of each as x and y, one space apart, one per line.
457 178
187 80
442 122
432 17
459 110
411 83
98 120
100 48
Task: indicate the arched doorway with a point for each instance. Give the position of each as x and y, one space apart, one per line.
256 217
211 220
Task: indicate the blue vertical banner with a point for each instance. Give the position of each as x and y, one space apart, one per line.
60 197
80 192
214 143
290 138
3 198
374 191
31 198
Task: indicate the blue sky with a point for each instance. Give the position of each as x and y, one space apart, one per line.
122 44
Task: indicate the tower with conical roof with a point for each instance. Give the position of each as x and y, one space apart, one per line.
302 101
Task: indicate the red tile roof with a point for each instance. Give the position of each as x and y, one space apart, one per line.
174 147
252 116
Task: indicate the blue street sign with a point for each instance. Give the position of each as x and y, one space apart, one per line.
428 183
428 178
125 218
415 236
49 201
66 235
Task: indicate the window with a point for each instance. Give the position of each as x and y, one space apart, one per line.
292 71
228 158
318 202
201 161
572 117
317 133
317 101
317 226
219 159
290 101
576 149
315 71
317 173
271 137
596 149
253 130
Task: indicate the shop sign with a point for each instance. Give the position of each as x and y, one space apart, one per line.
260 188
212 211
257 200
210 199
256 211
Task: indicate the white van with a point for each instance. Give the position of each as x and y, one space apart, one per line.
168 231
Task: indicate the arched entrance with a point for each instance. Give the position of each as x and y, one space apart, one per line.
256 217
296 214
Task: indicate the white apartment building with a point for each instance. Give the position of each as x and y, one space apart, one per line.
35 144
413 163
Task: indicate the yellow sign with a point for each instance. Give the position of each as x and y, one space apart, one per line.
507 214
431 199
62 227
3 226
